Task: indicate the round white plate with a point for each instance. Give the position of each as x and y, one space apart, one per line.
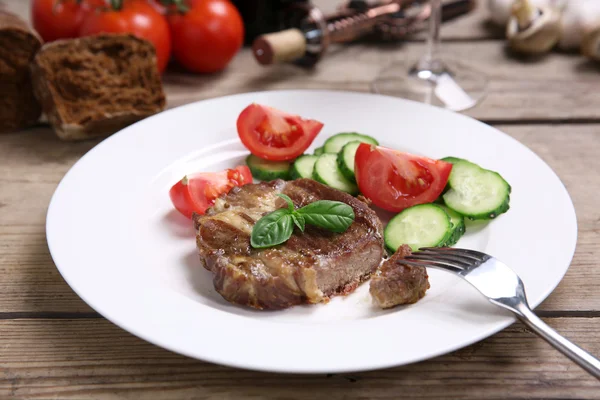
120 245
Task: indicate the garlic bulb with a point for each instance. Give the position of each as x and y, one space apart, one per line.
500 9
578 17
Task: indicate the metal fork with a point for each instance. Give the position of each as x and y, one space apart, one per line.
503 287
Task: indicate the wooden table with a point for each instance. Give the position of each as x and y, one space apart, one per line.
52 345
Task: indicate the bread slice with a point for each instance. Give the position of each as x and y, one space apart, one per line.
18 45
97 85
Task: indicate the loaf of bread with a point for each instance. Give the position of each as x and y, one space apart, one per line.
18 45
96 85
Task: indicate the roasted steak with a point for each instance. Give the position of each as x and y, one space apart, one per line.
309 268
395 283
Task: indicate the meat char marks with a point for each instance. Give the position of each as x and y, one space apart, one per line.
309 268
396 283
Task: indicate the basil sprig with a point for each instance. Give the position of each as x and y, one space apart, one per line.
272 229
277 227
331 215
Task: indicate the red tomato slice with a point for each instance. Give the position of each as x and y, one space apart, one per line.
275 135
394 180
197 192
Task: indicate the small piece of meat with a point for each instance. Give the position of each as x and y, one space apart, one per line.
395 283
310 267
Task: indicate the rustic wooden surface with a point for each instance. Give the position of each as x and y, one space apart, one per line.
52 345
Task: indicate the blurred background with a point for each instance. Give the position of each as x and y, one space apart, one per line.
483 57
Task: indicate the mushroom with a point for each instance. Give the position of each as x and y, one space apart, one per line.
578 17
590 45
499 10
531 29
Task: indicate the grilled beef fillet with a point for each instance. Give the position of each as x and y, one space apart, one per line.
395 283
309 268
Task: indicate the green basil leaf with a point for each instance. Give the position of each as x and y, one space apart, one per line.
331 215
272 229
288 201
299 220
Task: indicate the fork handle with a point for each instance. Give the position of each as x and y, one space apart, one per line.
585 360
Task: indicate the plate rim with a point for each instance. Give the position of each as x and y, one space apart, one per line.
508 320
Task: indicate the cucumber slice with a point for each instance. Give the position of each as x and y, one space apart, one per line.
345 159
266 170
335 143
327 172
458 227
452 160
477 193
303 167
423 225
319 151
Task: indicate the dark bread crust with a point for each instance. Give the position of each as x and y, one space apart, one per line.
309 268
97 85
18 45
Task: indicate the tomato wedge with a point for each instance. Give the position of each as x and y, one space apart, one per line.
394 180
197 192
275 135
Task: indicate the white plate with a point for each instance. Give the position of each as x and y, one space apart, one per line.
119 244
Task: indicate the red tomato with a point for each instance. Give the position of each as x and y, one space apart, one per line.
159 6
275 135
207 36
60 19
394 180
197 192
137 17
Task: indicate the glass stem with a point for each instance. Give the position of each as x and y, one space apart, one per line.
433 39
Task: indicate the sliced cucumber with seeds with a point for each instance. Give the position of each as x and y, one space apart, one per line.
451 160
319 150
424 225
303 167
458 227
345 159
327 172
335 143
477 193
268 170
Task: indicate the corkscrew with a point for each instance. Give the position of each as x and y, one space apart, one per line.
309 32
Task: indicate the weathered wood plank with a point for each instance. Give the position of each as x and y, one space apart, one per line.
93 359
32 163
557 87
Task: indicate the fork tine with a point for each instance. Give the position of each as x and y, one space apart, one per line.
444 256
482 256
469 254
430 263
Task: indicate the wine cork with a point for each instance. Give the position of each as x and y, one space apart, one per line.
279 47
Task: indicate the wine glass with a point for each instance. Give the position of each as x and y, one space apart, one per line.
443 82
